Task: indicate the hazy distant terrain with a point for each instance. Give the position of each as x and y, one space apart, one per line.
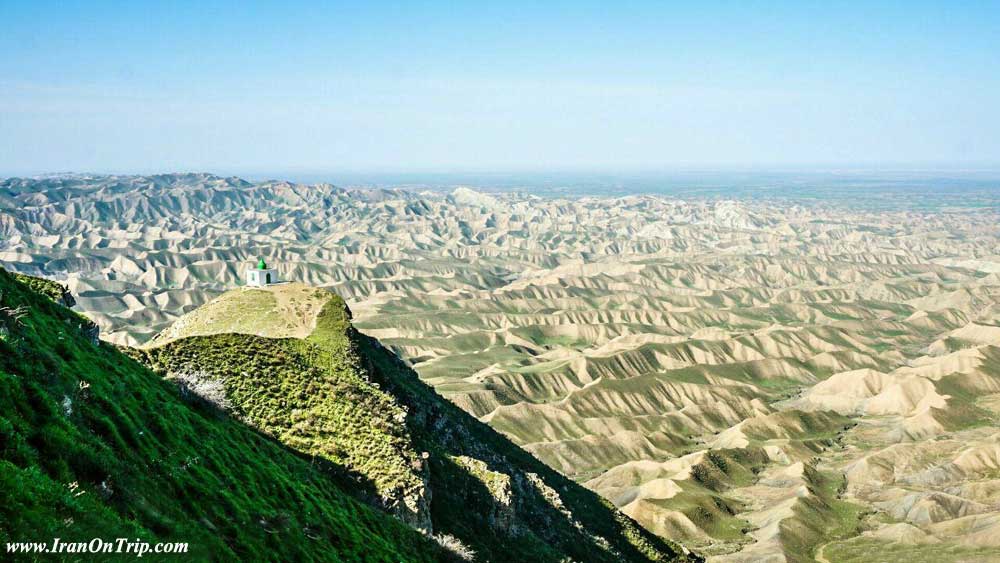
755 378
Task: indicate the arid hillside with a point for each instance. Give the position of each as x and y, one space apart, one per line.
760 380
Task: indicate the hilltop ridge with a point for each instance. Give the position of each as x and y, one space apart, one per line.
341 397
286 310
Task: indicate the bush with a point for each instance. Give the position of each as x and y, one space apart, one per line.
455 547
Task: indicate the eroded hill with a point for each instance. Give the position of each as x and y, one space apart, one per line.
736 375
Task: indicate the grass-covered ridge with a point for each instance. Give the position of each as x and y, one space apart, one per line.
93 444
313 399
341 397
49 288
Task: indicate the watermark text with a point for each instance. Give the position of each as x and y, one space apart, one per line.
123 546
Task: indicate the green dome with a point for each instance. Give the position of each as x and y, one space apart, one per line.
261 265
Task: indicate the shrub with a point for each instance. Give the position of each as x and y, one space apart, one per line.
455 547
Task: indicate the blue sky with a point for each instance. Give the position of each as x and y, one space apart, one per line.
245 87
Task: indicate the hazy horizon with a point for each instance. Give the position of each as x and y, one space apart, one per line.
927 190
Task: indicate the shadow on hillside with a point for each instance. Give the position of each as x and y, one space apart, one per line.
542 502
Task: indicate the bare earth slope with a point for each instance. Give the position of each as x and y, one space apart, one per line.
761 380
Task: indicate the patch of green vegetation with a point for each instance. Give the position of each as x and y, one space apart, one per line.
49 288
781 385
755 373
543 336
838 316
964 410
312 395
313 399
865 550
458 343
713 513
694 375
821 518
884 346
953 344
726 468
846 515
458 366
92 444
814 429
702 498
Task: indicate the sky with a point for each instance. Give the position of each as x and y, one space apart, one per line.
251 87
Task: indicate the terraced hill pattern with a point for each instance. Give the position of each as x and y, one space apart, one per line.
760 380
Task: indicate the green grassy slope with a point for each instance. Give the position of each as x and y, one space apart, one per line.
343 398
93 444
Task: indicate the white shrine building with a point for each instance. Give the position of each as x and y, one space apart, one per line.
261 275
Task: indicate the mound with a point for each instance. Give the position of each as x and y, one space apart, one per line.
286 310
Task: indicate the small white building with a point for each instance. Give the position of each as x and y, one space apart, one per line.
261 275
